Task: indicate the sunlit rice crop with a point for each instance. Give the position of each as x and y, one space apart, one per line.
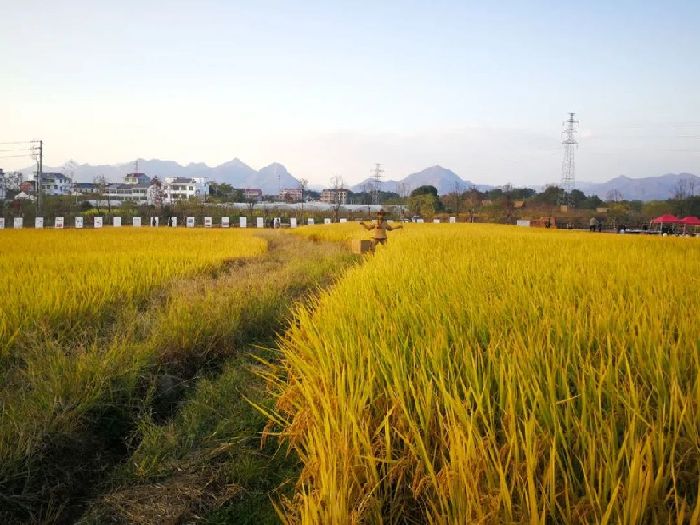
470 373
65 280
345 232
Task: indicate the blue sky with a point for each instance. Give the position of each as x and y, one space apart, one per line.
329 88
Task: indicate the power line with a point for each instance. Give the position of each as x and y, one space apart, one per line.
15 156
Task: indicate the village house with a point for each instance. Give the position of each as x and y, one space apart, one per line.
85 188
183 188
291 194
252 194
335 196
55 184
127 192
140 179
133 189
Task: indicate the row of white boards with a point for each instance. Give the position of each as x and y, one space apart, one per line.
190 222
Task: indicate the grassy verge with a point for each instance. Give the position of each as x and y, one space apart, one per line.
207 463
92 402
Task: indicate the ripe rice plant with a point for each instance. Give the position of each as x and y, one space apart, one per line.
344 233
489 374
84 319
65 281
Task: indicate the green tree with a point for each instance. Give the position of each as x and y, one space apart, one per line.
591 202
522 193
426 189
549 196
576 197
425 204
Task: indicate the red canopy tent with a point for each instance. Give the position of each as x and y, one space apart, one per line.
689 221
665 219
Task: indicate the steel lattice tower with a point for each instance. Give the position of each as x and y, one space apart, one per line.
376 182
568 164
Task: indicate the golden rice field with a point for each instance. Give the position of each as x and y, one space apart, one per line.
65 280
491 374
90 321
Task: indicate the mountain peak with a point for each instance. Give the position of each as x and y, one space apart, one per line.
445 180
274 166
234 162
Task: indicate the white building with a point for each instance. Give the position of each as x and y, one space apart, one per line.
291 194
335 196
137 178
128 192
85 188
183 188
135 188
13 181
56 184
252 194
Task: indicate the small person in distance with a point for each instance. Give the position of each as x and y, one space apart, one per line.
380 227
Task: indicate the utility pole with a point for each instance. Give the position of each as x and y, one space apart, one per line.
37 149
377 181
568 165
337 186
303 183
279 183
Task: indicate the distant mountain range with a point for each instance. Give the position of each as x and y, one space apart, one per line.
272 177
234 172
646 189
446 181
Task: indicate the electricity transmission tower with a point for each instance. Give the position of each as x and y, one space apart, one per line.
376 182
568 164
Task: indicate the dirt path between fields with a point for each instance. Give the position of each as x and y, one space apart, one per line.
211 465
